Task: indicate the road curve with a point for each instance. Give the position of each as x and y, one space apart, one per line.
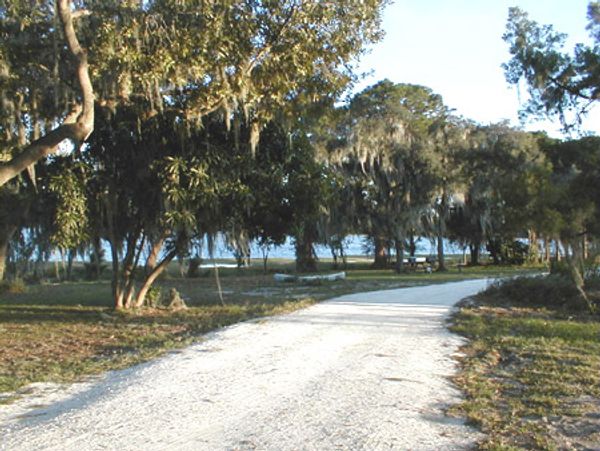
366 371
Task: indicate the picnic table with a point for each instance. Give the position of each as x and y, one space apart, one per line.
416 263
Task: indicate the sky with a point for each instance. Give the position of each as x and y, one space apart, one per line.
455 47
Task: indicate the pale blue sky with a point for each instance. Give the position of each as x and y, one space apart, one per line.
455 47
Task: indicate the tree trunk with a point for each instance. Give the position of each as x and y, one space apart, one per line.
305 254
56 271
576 267
3 255
399 256
181 264
5 236
38 267
78 124
242 258
441 227
96 261
546 250
130 265
265 257
494 247
151 278
474 249
334 256
117 289
533 252
155 248
440 254
70 258
381 254
412 246
557 255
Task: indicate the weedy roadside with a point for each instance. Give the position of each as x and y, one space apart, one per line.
530 373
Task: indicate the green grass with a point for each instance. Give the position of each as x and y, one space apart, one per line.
65 331
531 375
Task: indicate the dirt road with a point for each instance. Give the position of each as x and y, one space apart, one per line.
365 371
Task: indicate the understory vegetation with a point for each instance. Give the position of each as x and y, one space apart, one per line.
531 368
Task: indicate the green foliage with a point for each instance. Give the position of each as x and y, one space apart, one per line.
71 219
239 57
508 252
154 297
558 83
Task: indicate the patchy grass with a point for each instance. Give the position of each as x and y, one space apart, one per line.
531 374
62 332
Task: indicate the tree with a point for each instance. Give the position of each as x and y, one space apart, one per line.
559 83
391 144
494 168
22 90
155 188
249 58
575 205
35 69
266 213
450 135
173 64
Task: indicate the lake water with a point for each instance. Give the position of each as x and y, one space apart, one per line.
355 245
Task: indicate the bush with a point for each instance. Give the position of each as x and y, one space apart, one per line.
508 252
554 291
13 286
153 297
560 268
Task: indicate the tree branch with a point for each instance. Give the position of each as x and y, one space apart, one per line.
571 90
75 130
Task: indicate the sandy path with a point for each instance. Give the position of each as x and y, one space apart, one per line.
361 372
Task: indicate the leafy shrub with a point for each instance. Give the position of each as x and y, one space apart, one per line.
560 268
508 252
554 291
13 286
154 296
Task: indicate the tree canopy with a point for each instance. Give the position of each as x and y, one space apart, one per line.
559 83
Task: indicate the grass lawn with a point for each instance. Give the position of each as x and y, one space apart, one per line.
64 331
531 375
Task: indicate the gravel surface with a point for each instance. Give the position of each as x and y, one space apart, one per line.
366 371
